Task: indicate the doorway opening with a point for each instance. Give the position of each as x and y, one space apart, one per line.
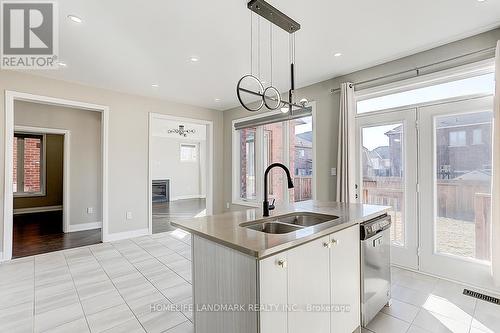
180 170
55 175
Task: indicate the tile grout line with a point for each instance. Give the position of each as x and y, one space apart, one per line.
167 268
128 306
77 293
161 262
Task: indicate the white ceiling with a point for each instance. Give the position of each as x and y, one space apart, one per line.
129 45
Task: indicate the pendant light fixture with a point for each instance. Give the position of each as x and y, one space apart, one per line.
251 84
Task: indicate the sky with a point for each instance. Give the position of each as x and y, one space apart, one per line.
374 137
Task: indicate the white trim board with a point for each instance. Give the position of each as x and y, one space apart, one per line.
10 97
127 234
209 162
85 226
29 210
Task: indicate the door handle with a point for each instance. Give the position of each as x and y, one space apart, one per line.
331 243
282 263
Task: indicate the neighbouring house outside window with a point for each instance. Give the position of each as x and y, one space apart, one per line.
29 165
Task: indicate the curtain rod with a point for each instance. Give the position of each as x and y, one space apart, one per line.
418 69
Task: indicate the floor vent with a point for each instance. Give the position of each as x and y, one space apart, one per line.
483 297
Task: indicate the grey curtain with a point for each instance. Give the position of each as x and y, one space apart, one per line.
346 158
495 200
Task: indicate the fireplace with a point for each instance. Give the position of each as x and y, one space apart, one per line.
161 190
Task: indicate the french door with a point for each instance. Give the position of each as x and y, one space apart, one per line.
432 164
455 190
387 155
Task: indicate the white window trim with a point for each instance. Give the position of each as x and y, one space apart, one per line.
43 170
259 171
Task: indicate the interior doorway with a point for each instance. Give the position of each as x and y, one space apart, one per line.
36 218
180 170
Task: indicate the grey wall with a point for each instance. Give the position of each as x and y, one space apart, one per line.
327 107
85 153
128 142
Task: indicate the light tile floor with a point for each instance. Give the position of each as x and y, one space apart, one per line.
107 287
424 304
110 288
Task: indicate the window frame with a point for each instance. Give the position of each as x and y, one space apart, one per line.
458 133
43 166
259 156
196 147
480 141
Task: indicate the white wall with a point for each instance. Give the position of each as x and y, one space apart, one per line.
85 153
186 178
128 142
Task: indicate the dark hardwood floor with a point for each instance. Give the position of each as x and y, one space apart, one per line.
42 232
165 212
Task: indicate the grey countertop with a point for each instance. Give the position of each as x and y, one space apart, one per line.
225 228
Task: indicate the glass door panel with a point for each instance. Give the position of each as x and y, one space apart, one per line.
456 150
383 173
387 172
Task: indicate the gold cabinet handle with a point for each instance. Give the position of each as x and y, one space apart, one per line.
327 244
282 263
334 242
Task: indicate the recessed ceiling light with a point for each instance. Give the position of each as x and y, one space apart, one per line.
62 64
338 54
75 19
217 100
194 59
481 0
154 85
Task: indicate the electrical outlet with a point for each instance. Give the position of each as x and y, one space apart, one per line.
90 210
227 205
129 215
333 171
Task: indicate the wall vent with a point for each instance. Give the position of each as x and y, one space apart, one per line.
483 297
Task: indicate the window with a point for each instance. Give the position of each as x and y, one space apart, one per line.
457 139
247 186
477 136
29 165
288 142
189 152
482 84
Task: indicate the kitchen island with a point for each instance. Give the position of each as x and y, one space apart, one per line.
296 271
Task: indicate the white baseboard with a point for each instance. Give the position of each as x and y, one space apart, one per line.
20 211
125 235
184 197
85 226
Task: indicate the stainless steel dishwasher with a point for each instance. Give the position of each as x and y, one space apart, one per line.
375 267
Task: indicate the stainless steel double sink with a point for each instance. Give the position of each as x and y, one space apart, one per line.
283 224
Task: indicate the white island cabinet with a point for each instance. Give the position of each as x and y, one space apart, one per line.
313 287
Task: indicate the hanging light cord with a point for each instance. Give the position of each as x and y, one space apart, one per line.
251 43
271 48
258 47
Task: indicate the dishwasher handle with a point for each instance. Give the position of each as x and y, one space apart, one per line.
375 226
